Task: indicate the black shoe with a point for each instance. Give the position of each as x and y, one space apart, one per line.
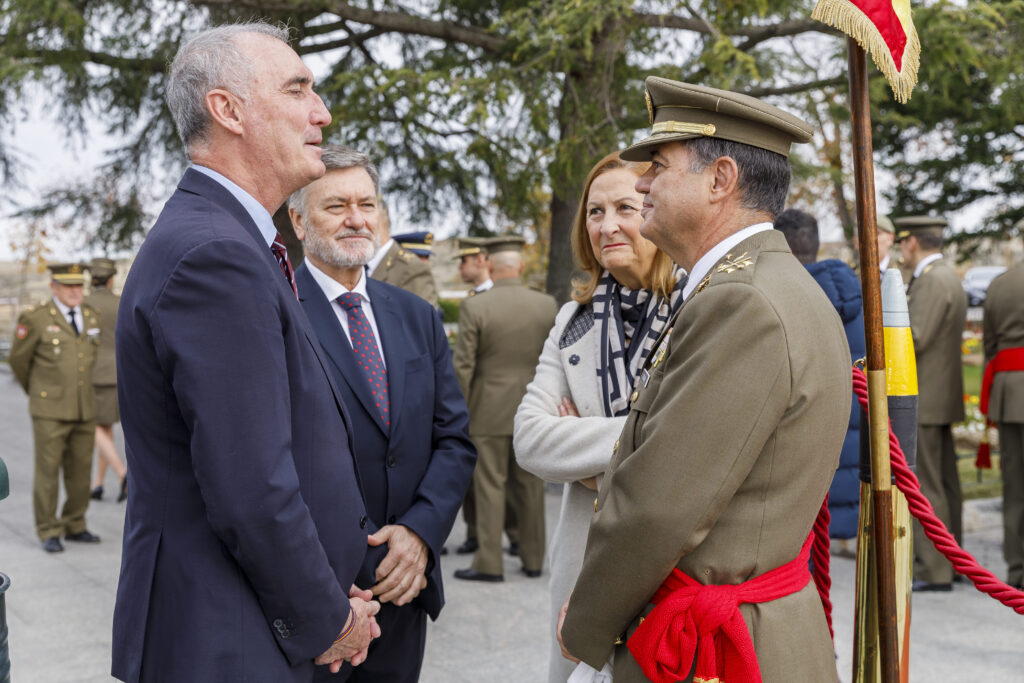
513 548
926 587
444 550
82 537
97 493
123 495
53 545
531 573
474 575
468 546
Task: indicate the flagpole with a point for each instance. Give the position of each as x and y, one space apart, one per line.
878 410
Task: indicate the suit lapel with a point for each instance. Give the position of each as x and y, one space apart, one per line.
392 338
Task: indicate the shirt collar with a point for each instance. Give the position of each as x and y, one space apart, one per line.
264 221
884 264
925 262
332 289
372 264
701 268
484 286
61 307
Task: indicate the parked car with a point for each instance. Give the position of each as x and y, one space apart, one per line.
976 282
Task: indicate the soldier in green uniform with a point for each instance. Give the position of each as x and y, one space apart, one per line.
398 266
52 358
104 377
501 334
735 426
938 314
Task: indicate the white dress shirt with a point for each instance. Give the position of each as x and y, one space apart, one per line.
332 289
484 286
925 262
701 268
64 310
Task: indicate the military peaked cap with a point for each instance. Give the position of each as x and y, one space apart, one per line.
421 243
919 225
67 273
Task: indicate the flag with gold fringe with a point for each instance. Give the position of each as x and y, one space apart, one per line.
884 29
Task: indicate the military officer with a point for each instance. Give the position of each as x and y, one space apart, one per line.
501 334
886 236
736 421
1004 390
52 358
419 243
938 314
474 269
397 266
104 377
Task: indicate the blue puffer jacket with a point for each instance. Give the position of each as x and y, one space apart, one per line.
843 289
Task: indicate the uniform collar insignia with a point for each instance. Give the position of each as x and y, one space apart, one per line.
730 264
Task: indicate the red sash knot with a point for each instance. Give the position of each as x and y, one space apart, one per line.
693 619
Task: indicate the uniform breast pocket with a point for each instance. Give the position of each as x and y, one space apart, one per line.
642 399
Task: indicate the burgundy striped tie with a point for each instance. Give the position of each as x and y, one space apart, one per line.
281 254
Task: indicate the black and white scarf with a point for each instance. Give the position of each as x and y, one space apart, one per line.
631 321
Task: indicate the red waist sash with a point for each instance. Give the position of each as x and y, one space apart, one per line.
1007 360
693 618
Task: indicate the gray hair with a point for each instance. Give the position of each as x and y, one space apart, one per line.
763 175
337 157
209 60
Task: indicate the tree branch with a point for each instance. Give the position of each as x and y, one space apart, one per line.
754 33
354 39
146 65
765 91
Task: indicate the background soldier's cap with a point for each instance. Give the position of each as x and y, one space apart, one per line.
102 267
420 243
467 246
681 111
919 225
884 224
505 243
67 273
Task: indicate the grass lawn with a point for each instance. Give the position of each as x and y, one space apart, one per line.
989 485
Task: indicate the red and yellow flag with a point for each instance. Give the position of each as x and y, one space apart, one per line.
884 29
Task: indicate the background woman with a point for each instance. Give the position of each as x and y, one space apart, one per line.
573 411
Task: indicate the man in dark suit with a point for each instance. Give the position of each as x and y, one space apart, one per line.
246 525
390 359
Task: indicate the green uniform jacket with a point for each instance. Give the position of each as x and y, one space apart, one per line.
53 365
501 334
404 269
723 463
938 314
105 302
1004 329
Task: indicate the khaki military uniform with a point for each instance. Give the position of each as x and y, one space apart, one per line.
501 334
938 314
1004 329
733 436
402 268
104 372
55 366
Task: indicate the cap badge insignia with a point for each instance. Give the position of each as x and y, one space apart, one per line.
730 264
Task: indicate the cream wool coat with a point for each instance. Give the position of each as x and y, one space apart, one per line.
565 450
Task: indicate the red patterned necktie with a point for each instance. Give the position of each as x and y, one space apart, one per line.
281 254
367 354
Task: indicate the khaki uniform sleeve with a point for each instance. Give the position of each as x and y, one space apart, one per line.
464 356
23 349
927 305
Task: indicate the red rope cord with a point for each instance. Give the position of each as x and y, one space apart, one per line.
934 529
821 559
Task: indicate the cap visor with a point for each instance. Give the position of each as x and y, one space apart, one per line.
643 150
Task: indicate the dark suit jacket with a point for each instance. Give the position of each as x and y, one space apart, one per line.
245 523
416 471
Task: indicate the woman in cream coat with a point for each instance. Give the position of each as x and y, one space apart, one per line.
573 411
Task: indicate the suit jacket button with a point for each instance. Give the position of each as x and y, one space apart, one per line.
278 623
362 522
391 519
391 461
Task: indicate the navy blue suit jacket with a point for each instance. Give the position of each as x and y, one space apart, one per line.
416 471
245 525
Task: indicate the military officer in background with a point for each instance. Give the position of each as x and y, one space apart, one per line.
397 266
886 238
104 377
1003 328
52 357
735 424
419 243
501 333
474 269
938 314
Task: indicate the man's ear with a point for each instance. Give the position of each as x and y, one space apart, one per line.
725 178
226 110
297 223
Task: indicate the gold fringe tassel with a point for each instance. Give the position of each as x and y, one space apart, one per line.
848 18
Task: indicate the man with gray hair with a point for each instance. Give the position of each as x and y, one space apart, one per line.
246 525
390 361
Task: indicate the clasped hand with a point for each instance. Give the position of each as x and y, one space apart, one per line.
355 646
400 575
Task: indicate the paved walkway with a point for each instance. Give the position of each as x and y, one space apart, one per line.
59 607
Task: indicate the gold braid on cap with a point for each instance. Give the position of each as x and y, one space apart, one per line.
681 127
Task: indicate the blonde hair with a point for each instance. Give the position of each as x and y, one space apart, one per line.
660 279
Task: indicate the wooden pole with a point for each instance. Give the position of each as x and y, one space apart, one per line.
878 410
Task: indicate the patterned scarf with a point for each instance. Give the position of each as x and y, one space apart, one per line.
631 321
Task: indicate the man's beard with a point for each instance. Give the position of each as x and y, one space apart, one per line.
342 253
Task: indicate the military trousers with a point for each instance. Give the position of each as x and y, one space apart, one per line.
469 512
940 484
496 467
61 447
1011 459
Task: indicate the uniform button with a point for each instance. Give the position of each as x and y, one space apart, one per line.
362 522
634 397
78 341
42 394
595 505
615 448
81 369
81 355
81 383
391 519
391 461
